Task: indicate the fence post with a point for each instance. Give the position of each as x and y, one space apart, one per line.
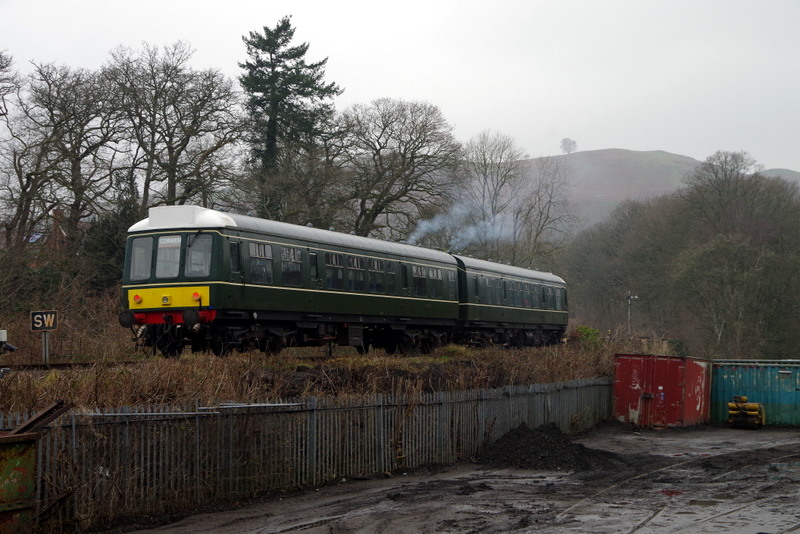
311 452
481 413
380 442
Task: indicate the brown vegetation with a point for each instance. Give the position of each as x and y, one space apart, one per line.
253 377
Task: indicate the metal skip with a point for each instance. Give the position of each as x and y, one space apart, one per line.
17 482
18 471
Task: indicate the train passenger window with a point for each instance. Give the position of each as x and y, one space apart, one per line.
141 258
559 304
548 298
168 256
260 263
355 273
391 277
451 285
292 266
376 276
334 271
527 296
198 255
435 282
419 281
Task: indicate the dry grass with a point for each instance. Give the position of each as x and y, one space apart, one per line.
88 332
255 377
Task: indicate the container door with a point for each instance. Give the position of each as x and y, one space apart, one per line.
630 399
666 384
787 396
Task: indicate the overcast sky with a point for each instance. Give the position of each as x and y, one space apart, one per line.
686 76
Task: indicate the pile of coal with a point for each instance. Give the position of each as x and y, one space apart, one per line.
542 448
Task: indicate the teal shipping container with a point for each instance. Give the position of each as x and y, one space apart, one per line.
773 383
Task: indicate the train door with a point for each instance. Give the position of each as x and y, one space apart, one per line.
313 270
235 270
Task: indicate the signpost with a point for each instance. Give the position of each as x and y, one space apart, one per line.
44 322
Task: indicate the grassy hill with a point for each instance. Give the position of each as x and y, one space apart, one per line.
600 179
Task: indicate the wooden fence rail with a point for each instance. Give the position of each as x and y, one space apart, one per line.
95 468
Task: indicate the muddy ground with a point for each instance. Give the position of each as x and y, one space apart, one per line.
612 479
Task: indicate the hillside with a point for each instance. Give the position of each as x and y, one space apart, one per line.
600 179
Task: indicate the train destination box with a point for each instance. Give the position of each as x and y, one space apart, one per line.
654 391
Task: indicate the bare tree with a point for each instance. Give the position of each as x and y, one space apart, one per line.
27 169
507 209
496 178
180 120
721 282
541 214
400 156
8 81
75 105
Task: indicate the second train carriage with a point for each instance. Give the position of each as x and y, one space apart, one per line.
510 305
220 281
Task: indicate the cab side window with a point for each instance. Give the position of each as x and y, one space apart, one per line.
198 255
141 258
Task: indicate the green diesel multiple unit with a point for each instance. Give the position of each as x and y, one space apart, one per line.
220 281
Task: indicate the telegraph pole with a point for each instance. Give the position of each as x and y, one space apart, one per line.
630 298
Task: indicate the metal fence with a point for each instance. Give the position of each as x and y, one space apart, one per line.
95 468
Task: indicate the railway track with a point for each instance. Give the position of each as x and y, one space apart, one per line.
62 365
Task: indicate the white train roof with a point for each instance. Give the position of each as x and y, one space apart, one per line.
189 217
473 264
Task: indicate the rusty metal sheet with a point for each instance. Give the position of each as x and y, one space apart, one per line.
17 482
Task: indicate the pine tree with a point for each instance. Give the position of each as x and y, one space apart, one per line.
287 101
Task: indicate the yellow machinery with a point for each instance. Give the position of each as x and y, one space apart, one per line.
743 414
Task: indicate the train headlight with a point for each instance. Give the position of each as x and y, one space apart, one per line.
196 296
165 300
137 299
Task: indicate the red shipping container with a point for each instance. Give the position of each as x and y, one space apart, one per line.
661 391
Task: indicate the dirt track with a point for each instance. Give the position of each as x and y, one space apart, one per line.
610 480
